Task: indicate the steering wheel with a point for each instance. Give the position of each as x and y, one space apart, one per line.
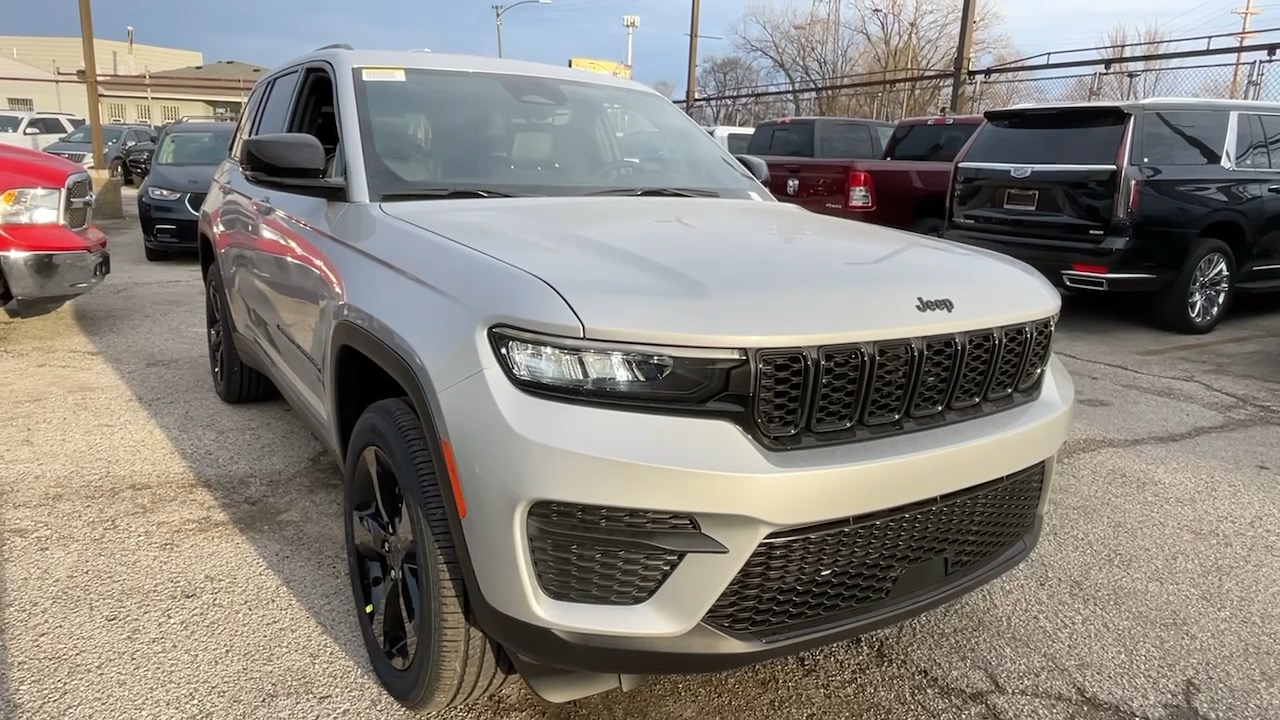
619 167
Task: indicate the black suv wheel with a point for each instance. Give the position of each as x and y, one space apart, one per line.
1198 298
233 381
405 578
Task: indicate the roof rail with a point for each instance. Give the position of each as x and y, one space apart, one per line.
334 46
207 118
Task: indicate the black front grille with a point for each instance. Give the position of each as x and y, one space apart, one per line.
581 553
77 213
807 578
850 392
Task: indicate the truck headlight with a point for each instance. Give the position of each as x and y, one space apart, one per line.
162 194
601 370
30 206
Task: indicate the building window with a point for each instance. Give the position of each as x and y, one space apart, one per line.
22 104
169 113
144 114
115 112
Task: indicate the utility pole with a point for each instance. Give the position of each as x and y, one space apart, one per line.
91 83
691 89
630 22
499 11
497 24
1245 13
964 48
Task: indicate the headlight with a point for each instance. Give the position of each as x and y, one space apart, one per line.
30 206
578 368
162 194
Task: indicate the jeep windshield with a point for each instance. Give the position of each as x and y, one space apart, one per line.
193 147
527 135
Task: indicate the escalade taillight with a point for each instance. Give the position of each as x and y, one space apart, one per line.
862 194
1135 192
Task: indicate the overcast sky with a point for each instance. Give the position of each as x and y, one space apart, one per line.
268 32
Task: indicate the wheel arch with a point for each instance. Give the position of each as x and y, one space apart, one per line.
353 343
1233 233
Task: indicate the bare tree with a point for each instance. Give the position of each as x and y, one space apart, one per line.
730 75
1124 78
886 43
668 89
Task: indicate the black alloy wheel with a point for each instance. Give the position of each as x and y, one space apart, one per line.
406 579
233 381
386 559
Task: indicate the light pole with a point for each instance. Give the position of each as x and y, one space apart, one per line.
500 10
630 22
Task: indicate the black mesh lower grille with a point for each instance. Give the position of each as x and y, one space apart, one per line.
575 560
811 577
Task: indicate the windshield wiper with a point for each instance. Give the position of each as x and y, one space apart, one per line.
657 192
438 193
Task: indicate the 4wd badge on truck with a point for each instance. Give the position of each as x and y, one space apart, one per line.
939 304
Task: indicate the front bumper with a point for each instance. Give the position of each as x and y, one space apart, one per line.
730 599
168 224
40 282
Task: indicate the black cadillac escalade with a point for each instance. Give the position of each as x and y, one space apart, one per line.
1176 198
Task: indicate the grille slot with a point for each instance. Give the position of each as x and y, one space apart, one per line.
812 577
194 201
848 392
780 391
1013 349
575 560
77 211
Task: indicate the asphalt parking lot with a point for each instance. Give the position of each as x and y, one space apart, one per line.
165 555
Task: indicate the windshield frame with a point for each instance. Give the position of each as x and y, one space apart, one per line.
158 147
737 181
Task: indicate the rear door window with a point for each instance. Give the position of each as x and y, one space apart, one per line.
789 139
928 143
1251 144
1271 131
847 141
1051 137
1183 137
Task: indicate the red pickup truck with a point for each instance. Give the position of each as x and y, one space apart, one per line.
49 251
903 185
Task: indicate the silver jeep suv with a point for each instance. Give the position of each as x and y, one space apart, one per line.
603 414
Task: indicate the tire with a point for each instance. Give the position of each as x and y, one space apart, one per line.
233 381
452 662
153 255
930 226
1172 305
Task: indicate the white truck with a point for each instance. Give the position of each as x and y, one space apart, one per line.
35 130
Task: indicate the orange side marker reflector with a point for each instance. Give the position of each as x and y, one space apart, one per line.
452 469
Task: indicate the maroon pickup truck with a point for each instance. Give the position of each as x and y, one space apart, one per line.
892 175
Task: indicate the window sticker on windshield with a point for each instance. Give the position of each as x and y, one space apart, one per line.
382 74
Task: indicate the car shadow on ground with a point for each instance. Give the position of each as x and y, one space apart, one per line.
273 485
1124 312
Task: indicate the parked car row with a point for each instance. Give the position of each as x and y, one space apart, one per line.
1178 199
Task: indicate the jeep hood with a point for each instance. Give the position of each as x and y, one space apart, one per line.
717 272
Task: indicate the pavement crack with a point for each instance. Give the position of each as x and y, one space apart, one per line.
1243 401
1081 446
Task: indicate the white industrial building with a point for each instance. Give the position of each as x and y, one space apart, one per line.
136 83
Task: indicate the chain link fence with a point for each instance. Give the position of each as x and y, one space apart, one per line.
913 93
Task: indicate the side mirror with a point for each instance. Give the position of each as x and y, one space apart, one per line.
758 168
31 131
294 161
283 156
